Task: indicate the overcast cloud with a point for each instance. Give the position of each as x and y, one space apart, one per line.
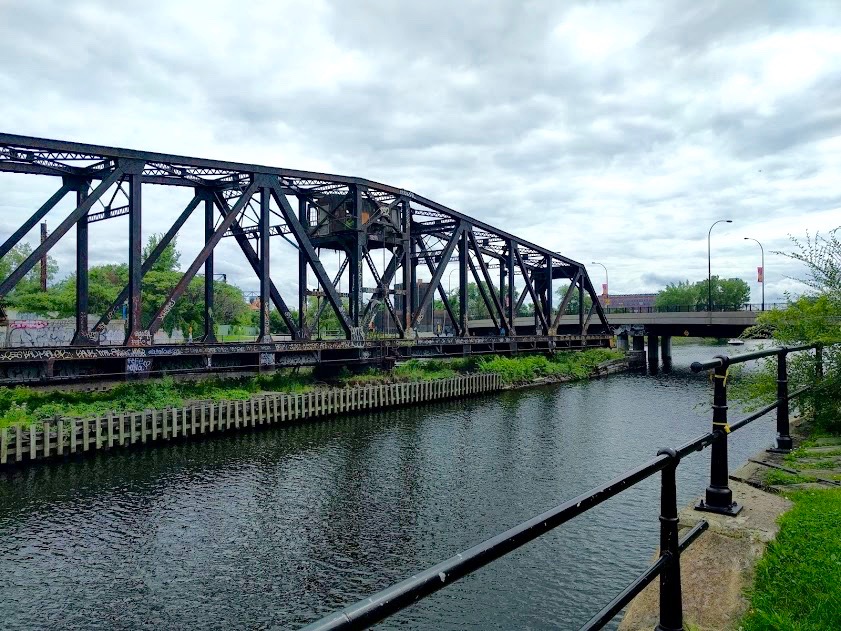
610 131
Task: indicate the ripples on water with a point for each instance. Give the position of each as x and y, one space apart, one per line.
278 527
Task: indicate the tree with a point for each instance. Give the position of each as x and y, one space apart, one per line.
727 293
811 318
31 282
170 258
572 306
107 281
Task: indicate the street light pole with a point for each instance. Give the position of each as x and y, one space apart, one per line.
606 283
761 249
710 264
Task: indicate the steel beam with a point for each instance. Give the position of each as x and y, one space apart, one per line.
264 334
135 334
254 262
509 263
486 274
463 255
209 226
305 245
324 304
550 297
37 216
489 305
154 255
81 336
383 285
438 273
530 288
185 279
59 232
302 274
567 298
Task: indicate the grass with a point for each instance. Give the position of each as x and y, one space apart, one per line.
24 406
777 477
798 580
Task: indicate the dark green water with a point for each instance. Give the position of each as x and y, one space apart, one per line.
275 528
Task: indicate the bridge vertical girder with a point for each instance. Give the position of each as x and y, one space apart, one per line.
134 330
82 336
463 255
264 334
302 273
209 224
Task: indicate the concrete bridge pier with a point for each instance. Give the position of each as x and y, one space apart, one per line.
622 341
636 358
653 348
666 352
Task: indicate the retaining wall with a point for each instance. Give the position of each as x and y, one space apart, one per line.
120 429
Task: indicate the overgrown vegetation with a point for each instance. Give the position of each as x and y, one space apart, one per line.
26 405
775 477
811 318
798 580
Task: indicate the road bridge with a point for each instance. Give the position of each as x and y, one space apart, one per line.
334 224
632 325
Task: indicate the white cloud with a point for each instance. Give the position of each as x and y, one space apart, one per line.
613 131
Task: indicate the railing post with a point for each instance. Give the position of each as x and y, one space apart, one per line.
784 442
671 601
718 496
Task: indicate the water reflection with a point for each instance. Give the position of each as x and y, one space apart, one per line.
277 527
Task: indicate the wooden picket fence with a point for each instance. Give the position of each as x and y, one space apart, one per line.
63 437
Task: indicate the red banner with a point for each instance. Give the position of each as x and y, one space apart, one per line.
760 275
604 289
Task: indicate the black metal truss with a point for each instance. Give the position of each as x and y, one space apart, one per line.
350 216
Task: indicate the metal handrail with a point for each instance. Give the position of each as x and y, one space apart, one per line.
386 602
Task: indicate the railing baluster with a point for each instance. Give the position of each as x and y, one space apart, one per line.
784 442
671 603
718 496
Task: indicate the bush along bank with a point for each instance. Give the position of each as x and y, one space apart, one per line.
62 436
26 406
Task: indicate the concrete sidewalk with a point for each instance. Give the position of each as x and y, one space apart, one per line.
718 567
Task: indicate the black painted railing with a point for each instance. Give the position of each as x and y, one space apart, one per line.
718 498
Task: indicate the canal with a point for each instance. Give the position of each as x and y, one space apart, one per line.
275 528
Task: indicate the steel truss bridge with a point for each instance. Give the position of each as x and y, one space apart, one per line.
326 218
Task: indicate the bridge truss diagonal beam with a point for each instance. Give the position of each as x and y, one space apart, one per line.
59 232
305 244
185 279
254 262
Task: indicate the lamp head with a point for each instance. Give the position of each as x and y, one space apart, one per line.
729 220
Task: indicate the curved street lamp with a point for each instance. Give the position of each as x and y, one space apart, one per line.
606 283
710 265
761 249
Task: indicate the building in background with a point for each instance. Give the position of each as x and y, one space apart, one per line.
630 301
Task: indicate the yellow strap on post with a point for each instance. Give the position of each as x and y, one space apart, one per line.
726 426
724 376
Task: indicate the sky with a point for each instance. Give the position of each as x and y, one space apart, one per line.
615 132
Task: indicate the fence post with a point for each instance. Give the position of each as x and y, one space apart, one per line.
784 442
671 601
718 496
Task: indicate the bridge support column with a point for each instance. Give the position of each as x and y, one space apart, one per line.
666 352
653 347
622 341
636 358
